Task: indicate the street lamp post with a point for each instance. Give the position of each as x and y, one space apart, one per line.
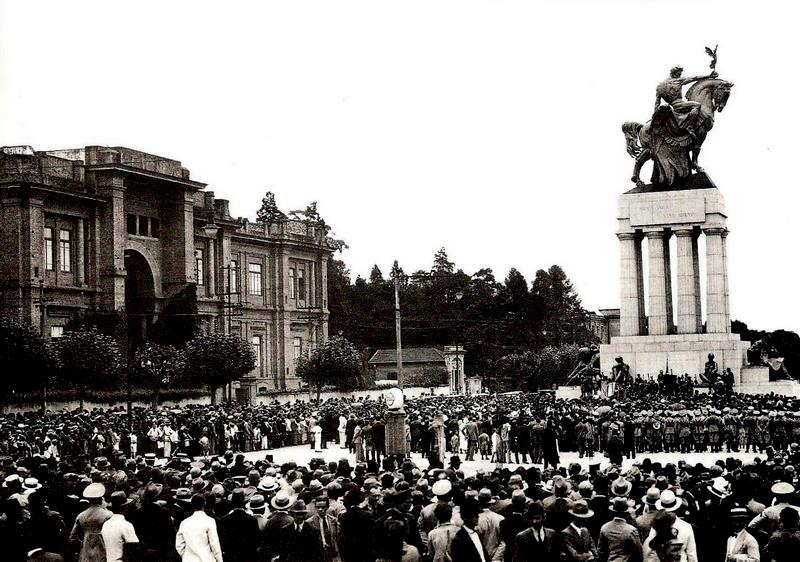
397 330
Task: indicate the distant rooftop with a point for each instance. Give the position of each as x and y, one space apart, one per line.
410 355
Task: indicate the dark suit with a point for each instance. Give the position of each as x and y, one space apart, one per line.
156 531
239 536
528 547
356 534
300 546
619 542
331 547
577 546
463 549
271 535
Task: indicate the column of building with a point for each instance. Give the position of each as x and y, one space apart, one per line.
660 299
688 282
716 307
631 309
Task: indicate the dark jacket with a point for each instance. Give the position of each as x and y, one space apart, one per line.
577 546
356 534
239 536
300 546
527 547
156 531
463 549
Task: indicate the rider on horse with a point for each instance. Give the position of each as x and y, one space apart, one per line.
671 91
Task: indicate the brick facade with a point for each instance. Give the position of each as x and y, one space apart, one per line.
110 228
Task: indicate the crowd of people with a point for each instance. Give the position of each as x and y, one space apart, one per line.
175 484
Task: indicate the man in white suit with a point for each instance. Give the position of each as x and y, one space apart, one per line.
197 539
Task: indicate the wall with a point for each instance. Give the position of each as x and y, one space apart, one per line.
282 398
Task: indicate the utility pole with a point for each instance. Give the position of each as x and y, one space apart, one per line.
229 308
397 330
43 302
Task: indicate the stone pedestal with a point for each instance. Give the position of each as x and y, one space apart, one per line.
682 353
395 421
564 392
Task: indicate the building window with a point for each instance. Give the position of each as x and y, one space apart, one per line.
233 284
298 348
199 267
292 286
48 248
143 223
56 331
301 284
132 224
257 350
65 250
254 279
155 228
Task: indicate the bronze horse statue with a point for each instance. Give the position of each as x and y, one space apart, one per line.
663 140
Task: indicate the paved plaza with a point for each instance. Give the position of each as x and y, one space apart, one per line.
302 454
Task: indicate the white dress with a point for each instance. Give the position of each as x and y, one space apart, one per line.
462 438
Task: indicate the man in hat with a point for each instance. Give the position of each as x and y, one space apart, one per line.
89 523
197 537
117 531
327 527
440 539
644 522
489 527
740 546
356 529
277 520
765 524
576 541
238 531
299 541
619 540
153 525
684 533
467 545
537 542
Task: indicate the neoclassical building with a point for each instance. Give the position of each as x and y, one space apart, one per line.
111 228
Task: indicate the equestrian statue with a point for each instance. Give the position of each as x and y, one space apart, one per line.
672 139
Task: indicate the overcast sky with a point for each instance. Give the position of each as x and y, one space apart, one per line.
490 128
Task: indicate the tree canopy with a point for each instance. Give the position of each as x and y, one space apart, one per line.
334 363
446 306
217 359
88 360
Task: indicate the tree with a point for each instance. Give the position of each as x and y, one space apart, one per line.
218 359
441 263
269 213
558 316
375 276
336 362
27 360
179 321
88 360
157 367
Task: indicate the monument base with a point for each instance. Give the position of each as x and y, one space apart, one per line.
681 353
568 392
755 380
395 422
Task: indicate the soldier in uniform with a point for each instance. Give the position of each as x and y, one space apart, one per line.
685 432
779 433
638 432
657 437
762 429
537 433
699 431
714 426
581 428
669 434
731 430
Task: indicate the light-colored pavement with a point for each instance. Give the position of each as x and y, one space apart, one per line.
302 454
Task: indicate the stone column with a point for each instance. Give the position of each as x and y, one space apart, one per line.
725 277
630 281
697 295
658 319
640 283
715 282
687 299
212 268
80 274
112 243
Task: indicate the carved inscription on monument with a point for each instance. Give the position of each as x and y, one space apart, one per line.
647 213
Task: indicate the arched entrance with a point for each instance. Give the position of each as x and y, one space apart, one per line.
139 297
